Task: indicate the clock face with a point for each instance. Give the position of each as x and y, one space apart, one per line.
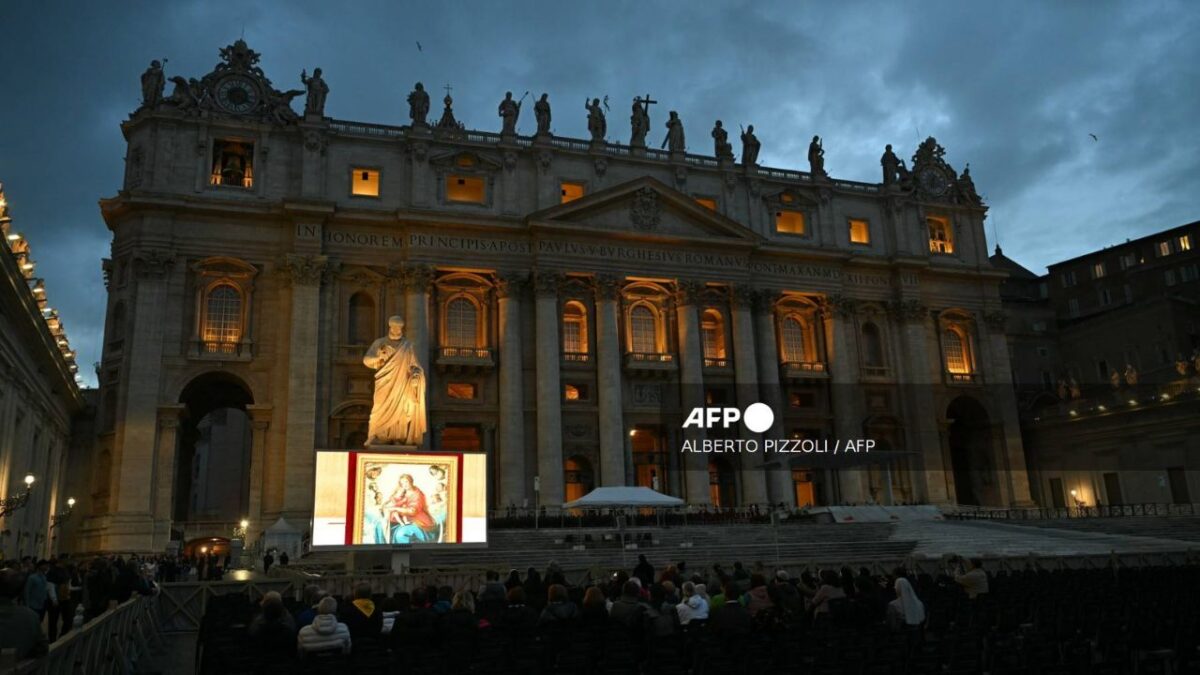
933 181
237 94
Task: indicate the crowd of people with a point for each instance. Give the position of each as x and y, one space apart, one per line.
536 610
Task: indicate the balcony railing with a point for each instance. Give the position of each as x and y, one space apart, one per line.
800 370
465 358
962 378
662 362
874 371
221 351
716 363
577 357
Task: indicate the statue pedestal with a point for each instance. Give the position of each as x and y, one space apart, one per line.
393 448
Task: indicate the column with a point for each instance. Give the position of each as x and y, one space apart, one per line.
260 420
745 377
779 473
1014 481
610 417
164 483
136 441
417 281
691 379
838 317
304 273
549 390
919 376
512 400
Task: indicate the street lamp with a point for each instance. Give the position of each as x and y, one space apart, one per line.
239 532
65 515
17 502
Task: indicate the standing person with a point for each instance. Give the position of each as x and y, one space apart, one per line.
906 611
971 577
73 597
57 579
99 588
20 627
283 559
268 560
39 593
644 570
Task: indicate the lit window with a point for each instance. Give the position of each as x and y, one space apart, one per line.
957 357
789 222
574 392
712 330
462 391
462 320
1185 243
860 232
361 324
941 237
707 202
574 326
643 330
232 164
222 318
571 191
1163 248
1098 270
793 340
464 189
364 182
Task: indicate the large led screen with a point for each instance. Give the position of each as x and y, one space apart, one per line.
368 499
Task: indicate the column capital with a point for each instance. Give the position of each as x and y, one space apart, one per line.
838 306
305 270
152 263
688 292
744 296
608 287
416 277
908 310
260 415
511 284
170 414
547 282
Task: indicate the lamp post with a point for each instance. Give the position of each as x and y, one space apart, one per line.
65 515
17 502
238 542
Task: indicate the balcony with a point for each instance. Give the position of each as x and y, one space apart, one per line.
717 365
803 370
660 363
576 360
465 359
875 372
220 351
963 378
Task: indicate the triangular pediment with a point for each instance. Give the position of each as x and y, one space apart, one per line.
645 207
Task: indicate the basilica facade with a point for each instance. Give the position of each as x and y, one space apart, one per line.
571 301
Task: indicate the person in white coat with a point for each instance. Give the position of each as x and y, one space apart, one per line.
325 633
906 611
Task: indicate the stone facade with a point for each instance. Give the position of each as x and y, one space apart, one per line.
39 400
571 300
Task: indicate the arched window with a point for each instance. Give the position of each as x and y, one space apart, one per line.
462 323
712 331
956 347
793 340
574 330
872 344
361 319
222 319
643 330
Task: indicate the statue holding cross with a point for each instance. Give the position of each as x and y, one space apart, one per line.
639 121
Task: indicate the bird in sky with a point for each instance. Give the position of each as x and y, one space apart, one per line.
1094 137
419 46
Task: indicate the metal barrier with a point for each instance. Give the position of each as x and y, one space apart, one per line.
114 642
1099 511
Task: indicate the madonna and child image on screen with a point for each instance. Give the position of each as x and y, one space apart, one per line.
404 499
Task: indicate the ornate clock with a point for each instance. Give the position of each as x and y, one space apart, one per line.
933 181
237 94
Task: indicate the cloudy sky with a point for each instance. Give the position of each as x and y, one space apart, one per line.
1014 88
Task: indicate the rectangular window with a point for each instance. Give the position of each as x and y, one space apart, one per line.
466 189
575 392
1043 290
941 237
789 222
570 191
1128 260
1163 249
364 182
707 202
860 232
1073 307
1128 293
232 164
1184 243
1105 297
1102 369
1098 270
1169 277
1068 279
462 391
1189 273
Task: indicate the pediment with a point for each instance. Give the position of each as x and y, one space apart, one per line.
465 161
645 207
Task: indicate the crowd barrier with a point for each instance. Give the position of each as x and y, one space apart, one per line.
114 642
1098 511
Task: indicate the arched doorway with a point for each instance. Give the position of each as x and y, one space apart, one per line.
722 483
212 467
577 478
970 440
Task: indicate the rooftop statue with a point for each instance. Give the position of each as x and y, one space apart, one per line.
509 111
317 91
674 140
418 105
541 111
398 408
966 187
750 147
639 121
891 165
153 81
721 145
597 124
816 157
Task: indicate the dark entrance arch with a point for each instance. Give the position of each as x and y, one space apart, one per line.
722 483
970 440
212 474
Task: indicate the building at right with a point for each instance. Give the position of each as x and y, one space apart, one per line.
1105 351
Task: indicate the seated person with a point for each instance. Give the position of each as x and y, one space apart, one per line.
273 629
325 633
362 616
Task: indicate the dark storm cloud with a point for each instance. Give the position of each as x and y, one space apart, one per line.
1012 88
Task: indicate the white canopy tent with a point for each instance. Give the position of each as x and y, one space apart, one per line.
623 497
